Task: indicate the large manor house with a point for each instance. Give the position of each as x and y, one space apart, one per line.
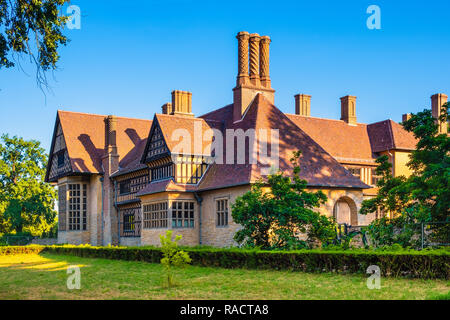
125 181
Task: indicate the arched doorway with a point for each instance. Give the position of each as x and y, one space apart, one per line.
345 211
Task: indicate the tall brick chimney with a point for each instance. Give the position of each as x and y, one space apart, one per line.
348 109
437 101
110 164
182 103
303 104
253 72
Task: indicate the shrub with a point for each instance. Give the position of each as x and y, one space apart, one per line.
402 263
172 255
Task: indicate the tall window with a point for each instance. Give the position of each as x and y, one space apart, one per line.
375 177
77 207
183 214
162 172
222 212
155 215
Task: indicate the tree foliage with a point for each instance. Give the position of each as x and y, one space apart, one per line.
422 197
26 200
33 28
274 213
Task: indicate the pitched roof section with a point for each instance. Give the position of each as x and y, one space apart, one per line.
85 139
341 140
166 185
358 143
388 135
317 166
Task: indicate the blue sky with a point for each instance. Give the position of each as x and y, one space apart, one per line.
128 57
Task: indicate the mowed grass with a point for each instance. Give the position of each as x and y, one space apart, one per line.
44 277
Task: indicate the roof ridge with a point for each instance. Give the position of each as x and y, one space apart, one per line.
203 115
320 118
100 115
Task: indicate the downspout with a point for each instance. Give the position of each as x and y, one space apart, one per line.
101 180
199 201
118 212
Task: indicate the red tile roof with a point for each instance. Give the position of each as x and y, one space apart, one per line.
85 140
318 167
388 135
355 143
323 142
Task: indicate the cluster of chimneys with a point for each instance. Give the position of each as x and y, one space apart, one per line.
253 78
181 104
348 108
437 101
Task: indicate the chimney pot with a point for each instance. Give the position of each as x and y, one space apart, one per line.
303 105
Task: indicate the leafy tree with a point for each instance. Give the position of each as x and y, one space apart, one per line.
429 185
172 255
32 28
422 197
391 195
274 213
26 201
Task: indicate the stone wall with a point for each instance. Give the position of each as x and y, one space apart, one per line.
73 237
354 195
45 241
190 236
212 234
130 241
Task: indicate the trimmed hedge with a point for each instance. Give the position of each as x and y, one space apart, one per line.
415 264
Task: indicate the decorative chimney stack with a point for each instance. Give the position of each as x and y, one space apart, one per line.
348 109
264 61
253 72
437 101
303 105
182 103
254 59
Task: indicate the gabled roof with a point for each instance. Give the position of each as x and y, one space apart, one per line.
85 140
175 128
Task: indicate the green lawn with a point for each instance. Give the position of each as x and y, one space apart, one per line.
44 277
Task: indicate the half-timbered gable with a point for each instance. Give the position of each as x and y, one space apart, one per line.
59 162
